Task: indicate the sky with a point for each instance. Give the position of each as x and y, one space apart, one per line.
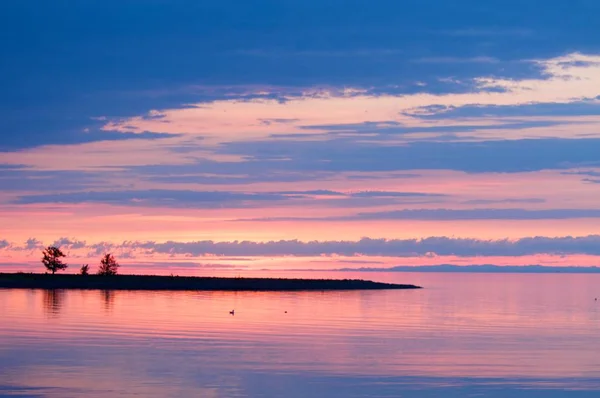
194 135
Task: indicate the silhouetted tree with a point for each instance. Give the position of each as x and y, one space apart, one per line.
108 265
52 259
85 270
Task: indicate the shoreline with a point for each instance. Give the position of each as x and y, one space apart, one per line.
180 283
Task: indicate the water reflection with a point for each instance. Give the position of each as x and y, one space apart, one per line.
497 336
53 300
108 298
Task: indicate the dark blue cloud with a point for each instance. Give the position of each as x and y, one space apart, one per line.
503 201
21 179
590 176
452 215
301 160
381 176
62 62
364 194
345 155
193 174
440 245
321 160
29 135
67 243
589 173
224 199
384 129
388 194
581 108
318 192
385 247
157 197
32 243
478 214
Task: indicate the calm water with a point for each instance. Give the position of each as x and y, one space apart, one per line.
468 335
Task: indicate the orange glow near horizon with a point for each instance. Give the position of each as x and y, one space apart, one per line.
206 265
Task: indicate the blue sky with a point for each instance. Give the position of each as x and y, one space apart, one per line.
318 120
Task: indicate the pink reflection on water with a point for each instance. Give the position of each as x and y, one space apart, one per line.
460 326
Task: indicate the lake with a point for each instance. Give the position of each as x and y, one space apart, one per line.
464 335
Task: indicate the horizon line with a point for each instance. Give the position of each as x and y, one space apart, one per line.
471 268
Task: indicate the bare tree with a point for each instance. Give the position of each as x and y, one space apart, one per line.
85 270
108 265
52 259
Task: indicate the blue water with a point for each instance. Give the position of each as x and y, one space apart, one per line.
467 335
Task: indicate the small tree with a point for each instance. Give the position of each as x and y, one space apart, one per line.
108 265
52 259
85 270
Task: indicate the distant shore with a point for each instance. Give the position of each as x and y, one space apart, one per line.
153 282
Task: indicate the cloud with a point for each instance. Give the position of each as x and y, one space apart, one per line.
155 197
97 78
33 243
350 119
353 262
551 109
381 176
440 246
298 160
30 244
42 181
317 192
385 247
210 173
571 78
480 214
29 135
503 201
508 156
108 121
69 243
225 199
362 194
589 173
452 215
393 129
393 194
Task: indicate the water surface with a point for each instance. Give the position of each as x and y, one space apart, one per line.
491 335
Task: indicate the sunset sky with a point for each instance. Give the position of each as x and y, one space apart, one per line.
197 135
